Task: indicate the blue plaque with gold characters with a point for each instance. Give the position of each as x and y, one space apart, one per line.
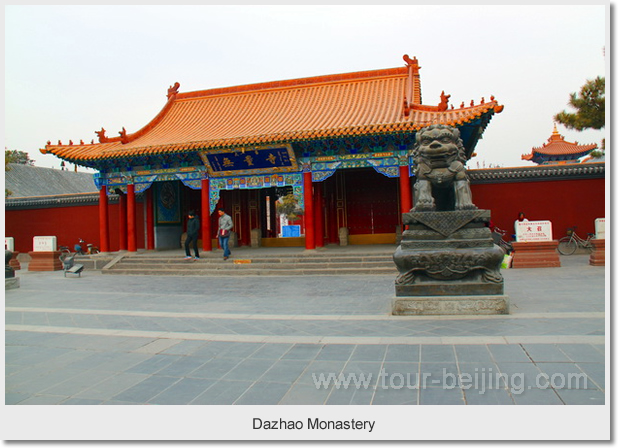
252 160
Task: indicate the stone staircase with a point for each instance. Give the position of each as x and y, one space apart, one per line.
259 264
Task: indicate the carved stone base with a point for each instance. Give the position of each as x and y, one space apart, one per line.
45 261
539 254
597 257
451 305
448 254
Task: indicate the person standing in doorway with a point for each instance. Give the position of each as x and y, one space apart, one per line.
193 231
225 225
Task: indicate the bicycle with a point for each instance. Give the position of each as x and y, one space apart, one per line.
498 236
567 245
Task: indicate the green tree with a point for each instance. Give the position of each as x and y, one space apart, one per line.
288 206
589 106
15 156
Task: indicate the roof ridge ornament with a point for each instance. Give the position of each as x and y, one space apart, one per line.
123 136
101 134
172 91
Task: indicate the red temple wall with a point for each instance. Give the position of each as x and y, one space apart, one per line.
566 203
67 224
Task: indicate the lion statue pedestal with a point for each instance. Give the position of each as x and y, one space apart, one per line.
447 260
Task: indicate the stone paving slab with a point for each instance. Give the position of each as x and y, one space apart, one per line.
254 341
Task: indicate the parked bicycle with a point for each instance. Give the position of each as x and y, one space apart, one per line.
498 236
86 249
568 245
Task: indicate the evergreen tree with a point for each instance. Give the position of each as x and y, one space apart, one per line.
589 106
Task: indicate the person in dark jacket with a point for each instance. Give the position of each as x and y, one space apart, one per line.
193 232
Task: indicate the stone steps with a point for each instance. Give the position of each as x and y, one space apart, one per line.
381 264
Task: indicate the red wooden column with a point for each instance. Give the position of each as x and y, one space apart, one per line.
309 218
319 214
103 220
206 226
150 228
122 221
404 187
131 223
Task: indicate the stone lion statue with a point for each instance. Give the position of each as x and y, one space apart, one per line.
441 180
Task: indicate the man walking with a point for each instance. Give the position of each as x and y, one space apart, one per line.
225 225
193 231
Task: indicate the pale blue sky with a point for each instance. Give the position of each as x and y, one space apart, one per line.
70 70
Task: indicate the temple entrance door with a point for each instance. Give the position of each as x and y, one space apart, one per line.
244 208
371 203
253 209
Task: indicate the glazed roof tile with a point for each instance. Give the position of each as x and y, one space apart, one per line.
370 102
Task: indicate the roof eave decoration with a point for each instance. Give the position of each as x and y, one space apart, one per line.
114 149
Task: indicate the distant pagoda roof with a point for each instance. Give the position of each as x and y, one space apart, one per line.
363 103
558 150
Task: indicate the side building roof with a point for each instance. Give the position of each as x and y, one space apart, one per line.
557 147
26 181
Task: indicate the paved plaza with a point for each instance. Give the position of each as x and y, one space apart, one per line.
251 340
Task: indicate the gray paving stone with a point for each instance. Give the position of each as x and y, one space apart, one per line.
305 394
216 368
508 353
595 372
535 396
392 396
153 364
488 397
473 353
373 353
545 353
321 370
15 398
182 366
303 351
403 353
81 401
222 392
336 352
285 371
521 373
263 393
271 351
350 396
437 374
441 396
43 400
582 353
437 353
249 370
182 392
581 397
37 361
145 390
79 383
112 386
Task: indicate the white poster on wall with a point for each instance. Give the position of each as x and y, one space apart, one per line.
9 243
532 231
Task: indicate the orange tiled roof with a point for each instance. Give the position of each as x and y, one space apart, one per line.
369 102
557 146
